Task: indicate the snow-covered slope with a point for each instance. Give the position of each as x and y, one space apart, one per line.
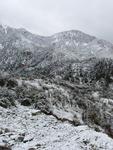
23 128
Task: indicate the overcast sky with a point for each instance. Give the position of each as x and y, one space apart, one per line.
46 17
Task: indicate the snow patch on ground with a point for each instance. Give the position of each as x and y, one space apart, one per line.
24 128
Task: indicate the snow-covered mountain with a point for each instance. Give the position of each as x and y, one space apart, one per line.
72 40
62 84
76 44
40 50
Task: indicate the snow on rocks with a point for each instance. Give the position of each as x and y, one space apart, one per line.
24 128
33 84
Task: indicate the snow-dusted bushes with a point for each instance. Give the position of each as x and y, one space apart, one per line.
91 70
103 68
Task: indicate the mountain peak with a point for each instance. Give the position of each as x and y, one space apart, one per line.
73 32
3 25
74 35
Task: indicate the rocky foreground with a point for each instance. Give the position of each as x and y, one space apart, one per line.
25 128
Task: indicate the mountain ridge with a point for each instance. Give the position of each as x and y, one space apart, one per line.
20 48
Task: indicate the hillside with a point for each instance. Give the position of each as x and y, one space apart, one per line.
60 84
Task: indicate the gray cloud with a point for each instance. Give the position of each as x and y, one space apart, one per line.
47 17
